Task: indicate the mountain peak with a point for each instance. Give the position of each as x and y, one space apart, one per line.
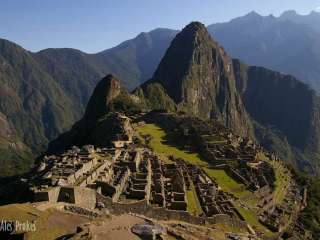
289 13
253 14
248 18
106 90
194 30
194 26
292 14
197 74
194 40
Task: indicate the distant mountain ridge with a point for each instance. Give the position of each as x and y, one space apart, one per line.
285 113
289 43
311 19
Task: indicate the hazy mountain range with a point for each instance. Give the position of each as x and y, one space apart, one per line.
289 43
43 93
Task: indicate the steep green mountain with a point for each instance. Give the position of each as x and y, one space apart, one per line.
72 71
311 215
15 156
287 44
288 108
197 74
32 104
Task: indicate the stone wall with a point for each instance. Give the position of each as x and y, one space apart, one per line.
67 195
85 197
160 213
92 177
50 195
53 194
236 176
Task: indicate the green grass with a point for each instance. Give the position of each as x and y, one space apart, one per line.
194 206
158 144
252 219
282 183
227 183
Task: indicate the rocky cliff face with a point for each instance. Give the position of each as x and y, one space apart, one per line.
106 90
282 102
197 74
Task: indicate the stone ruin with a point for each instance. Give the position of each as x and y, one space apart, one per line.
69 177
238 156
277 216
129 174
212 199
125 131
174 187
126 176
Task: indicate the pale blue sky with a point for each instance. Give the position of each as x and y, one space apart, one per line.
95 25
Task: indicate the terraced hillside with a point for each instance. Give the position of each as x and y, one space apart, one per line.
166 141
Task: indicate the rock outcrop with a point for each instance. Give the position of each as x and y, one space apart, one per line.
102 121
106 90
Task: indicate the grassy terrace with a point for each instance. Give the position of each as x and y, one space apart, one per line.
227 183
160 144
194 206
282 180
282 183
252 219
